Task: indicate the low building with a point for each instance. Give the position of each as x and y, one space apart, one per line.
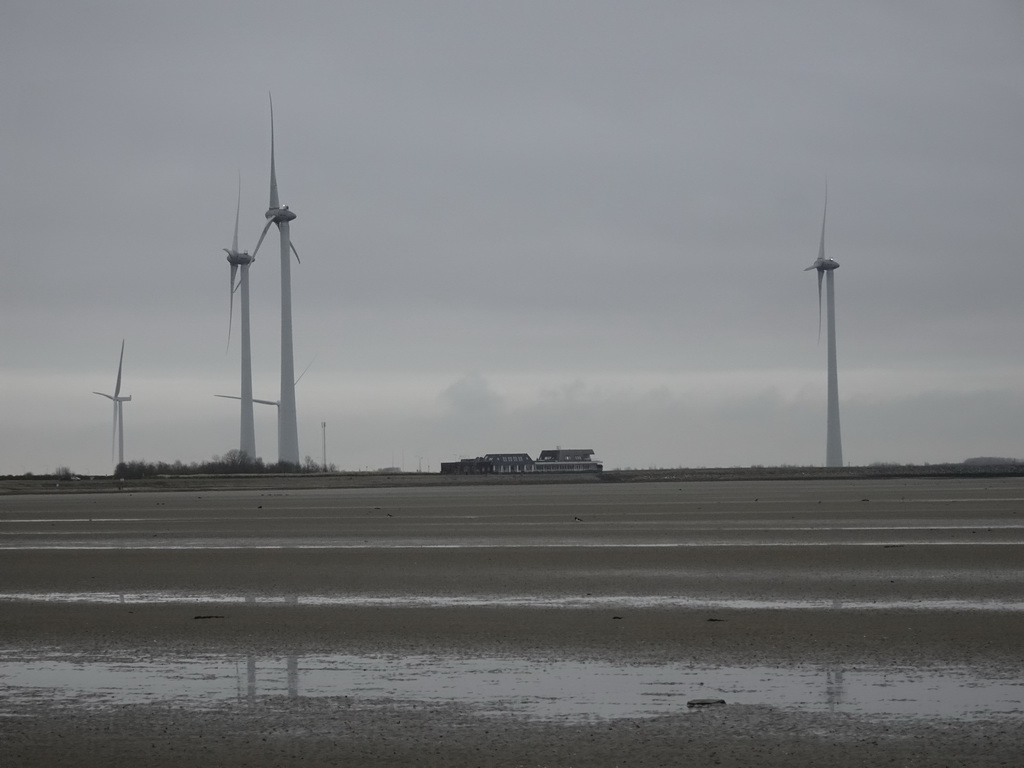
567 460
558 460
490 464
477 466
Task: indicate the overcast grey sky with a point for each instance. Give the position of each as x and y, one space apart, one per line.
522 225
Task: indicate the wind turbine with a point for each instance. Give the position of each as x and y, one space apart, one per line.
247 440
826 268
119 400
287 420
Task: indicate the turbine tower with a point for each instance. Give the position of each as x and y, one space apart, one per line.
826 268
287 421
119 401
247 440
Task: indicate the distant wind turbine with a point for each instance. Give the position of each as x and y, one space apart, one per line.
119 400
247 440
287 427
272 402
826 268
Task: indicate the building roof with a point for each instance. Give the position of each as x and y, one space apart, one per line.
567 454
509 458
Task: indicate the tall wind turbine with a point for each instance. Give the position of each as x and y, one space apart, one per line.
287 420
247 440
826 268
119 401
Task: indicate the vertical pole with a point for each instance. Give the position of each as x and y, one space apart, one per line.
120 431
288 436
834 444
247 441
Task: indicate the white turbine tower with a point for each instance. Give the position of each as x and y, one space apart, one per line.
247 439
287 420
826 268
119 401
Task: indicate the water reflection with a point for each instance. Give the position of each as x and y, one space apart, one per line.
554 689
834 688
709 601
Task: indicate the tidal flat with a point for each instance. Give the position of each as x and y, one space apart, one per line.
842 621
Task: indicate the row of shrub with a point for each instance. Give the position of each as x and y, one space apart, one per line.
234 462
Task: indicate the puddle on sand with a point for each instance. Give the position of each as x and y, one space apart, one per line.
521 601
540 689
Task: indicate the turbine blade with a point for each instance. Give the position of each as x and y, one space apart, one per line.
117 387
306 368
103 394
293 249
821 247
274 201
821 274
238 210
262 402
263 234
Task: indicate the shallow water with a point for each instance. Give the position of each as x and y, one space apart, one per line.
624 601
553 689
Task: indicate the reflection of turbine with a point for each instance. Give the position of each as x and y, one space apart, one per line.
834 687
247 440
119 401
287 420
826 268
250 669
292 676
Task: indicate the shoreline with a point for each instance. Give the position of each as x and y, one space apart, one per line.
42 484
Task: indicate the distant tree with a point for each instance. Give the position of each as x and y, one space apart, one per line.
62 473
992 461
237 460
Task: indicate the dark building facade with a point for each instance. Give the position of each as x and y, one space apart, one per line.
558 460
567 460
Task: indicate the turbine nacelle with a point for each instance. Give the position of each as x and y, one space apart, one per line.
279 215
237 259
118 399
823 265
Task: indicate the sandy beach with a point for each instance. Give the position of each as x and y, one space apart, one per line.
847 622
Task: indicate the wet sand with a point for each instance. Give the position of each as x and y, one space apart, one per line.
850 575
